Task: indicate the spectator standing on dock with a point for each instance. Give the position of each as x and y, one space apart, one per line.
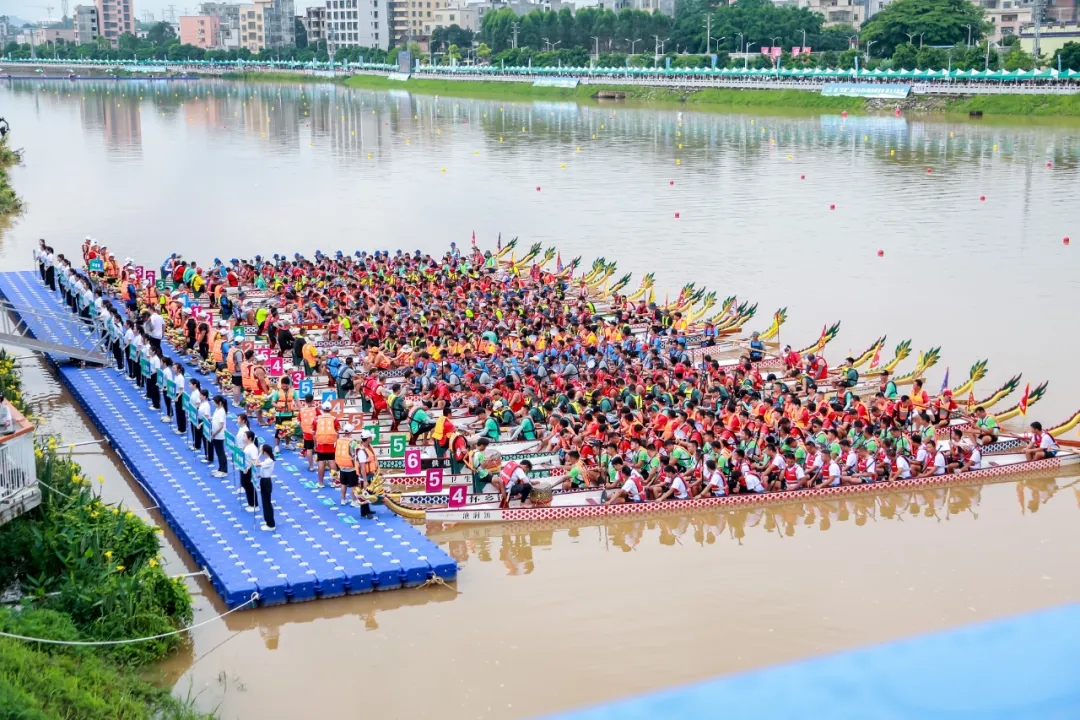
266 485
194 400
217 436
205 413
154 325
251 462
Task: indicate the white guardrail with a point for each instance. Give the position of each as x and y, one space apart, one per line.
19 490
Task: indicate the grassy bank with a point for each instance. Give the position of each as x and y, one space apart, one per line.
9 201
274 77
87 571
727 98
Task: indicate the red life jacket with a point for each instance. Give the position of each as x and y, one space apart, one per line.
507 472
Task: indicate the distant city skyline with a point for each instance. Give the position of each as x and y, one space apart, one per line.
34 10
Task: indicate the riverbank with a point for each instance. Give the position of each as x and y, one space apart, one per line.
9 201
730 98
83 570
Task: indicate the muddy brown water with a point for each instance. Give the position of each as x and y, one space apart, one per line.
547 617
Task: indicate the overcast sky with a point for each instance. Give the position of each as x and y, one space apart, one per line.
34 10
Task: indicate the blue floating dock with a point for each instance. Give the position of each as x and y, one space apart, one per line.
318 548
1023 667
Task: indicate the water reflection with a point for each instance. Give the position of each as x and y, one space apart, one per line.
514 545
356 122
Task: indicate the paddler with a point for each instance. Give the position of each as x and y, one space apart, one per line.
986 427
284 406
477 464
513 481
306 416
757 347
1042 445
887 387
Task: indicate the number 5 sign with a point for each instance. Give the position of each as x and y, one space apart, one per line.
457 496
412 461
433 480
397 446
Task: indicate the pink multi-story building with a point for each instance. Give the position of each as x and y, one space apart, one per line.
202 31
115 17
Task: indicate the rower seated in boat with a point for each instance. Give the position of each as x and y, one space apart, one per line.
757 348
986 427
1042 445
632 489
514 480
849 376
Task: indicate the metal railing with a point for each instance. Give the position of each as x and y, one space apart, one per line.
19 490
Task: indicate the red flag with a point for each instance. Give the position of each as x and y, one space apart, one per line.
971 400
876 359
473 237
1024 400
821 340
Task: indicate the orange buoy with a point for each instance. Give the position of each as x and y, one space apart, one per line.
676 216
880 253
1065 240
843 113
1049 164
982 198
929 170
832 206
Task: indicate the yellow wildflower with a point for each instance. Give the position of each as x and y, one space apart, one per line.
108 554
119 568
152 562
101 478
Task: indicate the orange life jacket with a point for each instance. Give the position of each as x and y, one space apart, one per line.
343 457
247 376
284 403
307 420
215 349
325 434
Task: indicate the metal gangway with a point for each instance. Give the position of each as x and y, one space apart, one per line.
81 340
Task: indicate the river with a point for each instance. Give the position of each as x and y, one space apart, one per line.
970 217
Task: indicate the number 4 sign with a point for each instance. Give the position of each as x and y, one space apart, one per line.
457 496
433 480
274 367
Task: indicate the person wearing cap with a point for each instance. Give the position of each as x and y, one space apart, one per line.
757 347
887 387
345 449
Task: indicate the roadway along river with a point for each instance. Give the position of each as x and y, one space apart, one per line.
553 617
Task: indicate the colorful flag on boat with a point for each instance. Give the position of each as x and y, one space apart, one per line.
499 246
944 382
971 400
876 360
473 237
558 264
1024 400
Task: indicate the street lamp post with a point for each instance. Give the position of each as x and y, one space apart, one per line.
746 55
597 41
868 50
708 33
632 44
969 34
910 38
739 45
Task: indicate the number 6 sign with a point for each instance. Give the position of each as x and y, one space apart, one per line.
433 480
457 496
412 461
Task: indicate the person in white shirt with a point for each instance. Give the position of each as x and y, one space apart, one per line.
266 485
900 468
217 436
678 489
936 464
195 397
153 391
835 475
716 483
246 438
167 379
205 413
155 327
865 465
1042 444
750 479
632 489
